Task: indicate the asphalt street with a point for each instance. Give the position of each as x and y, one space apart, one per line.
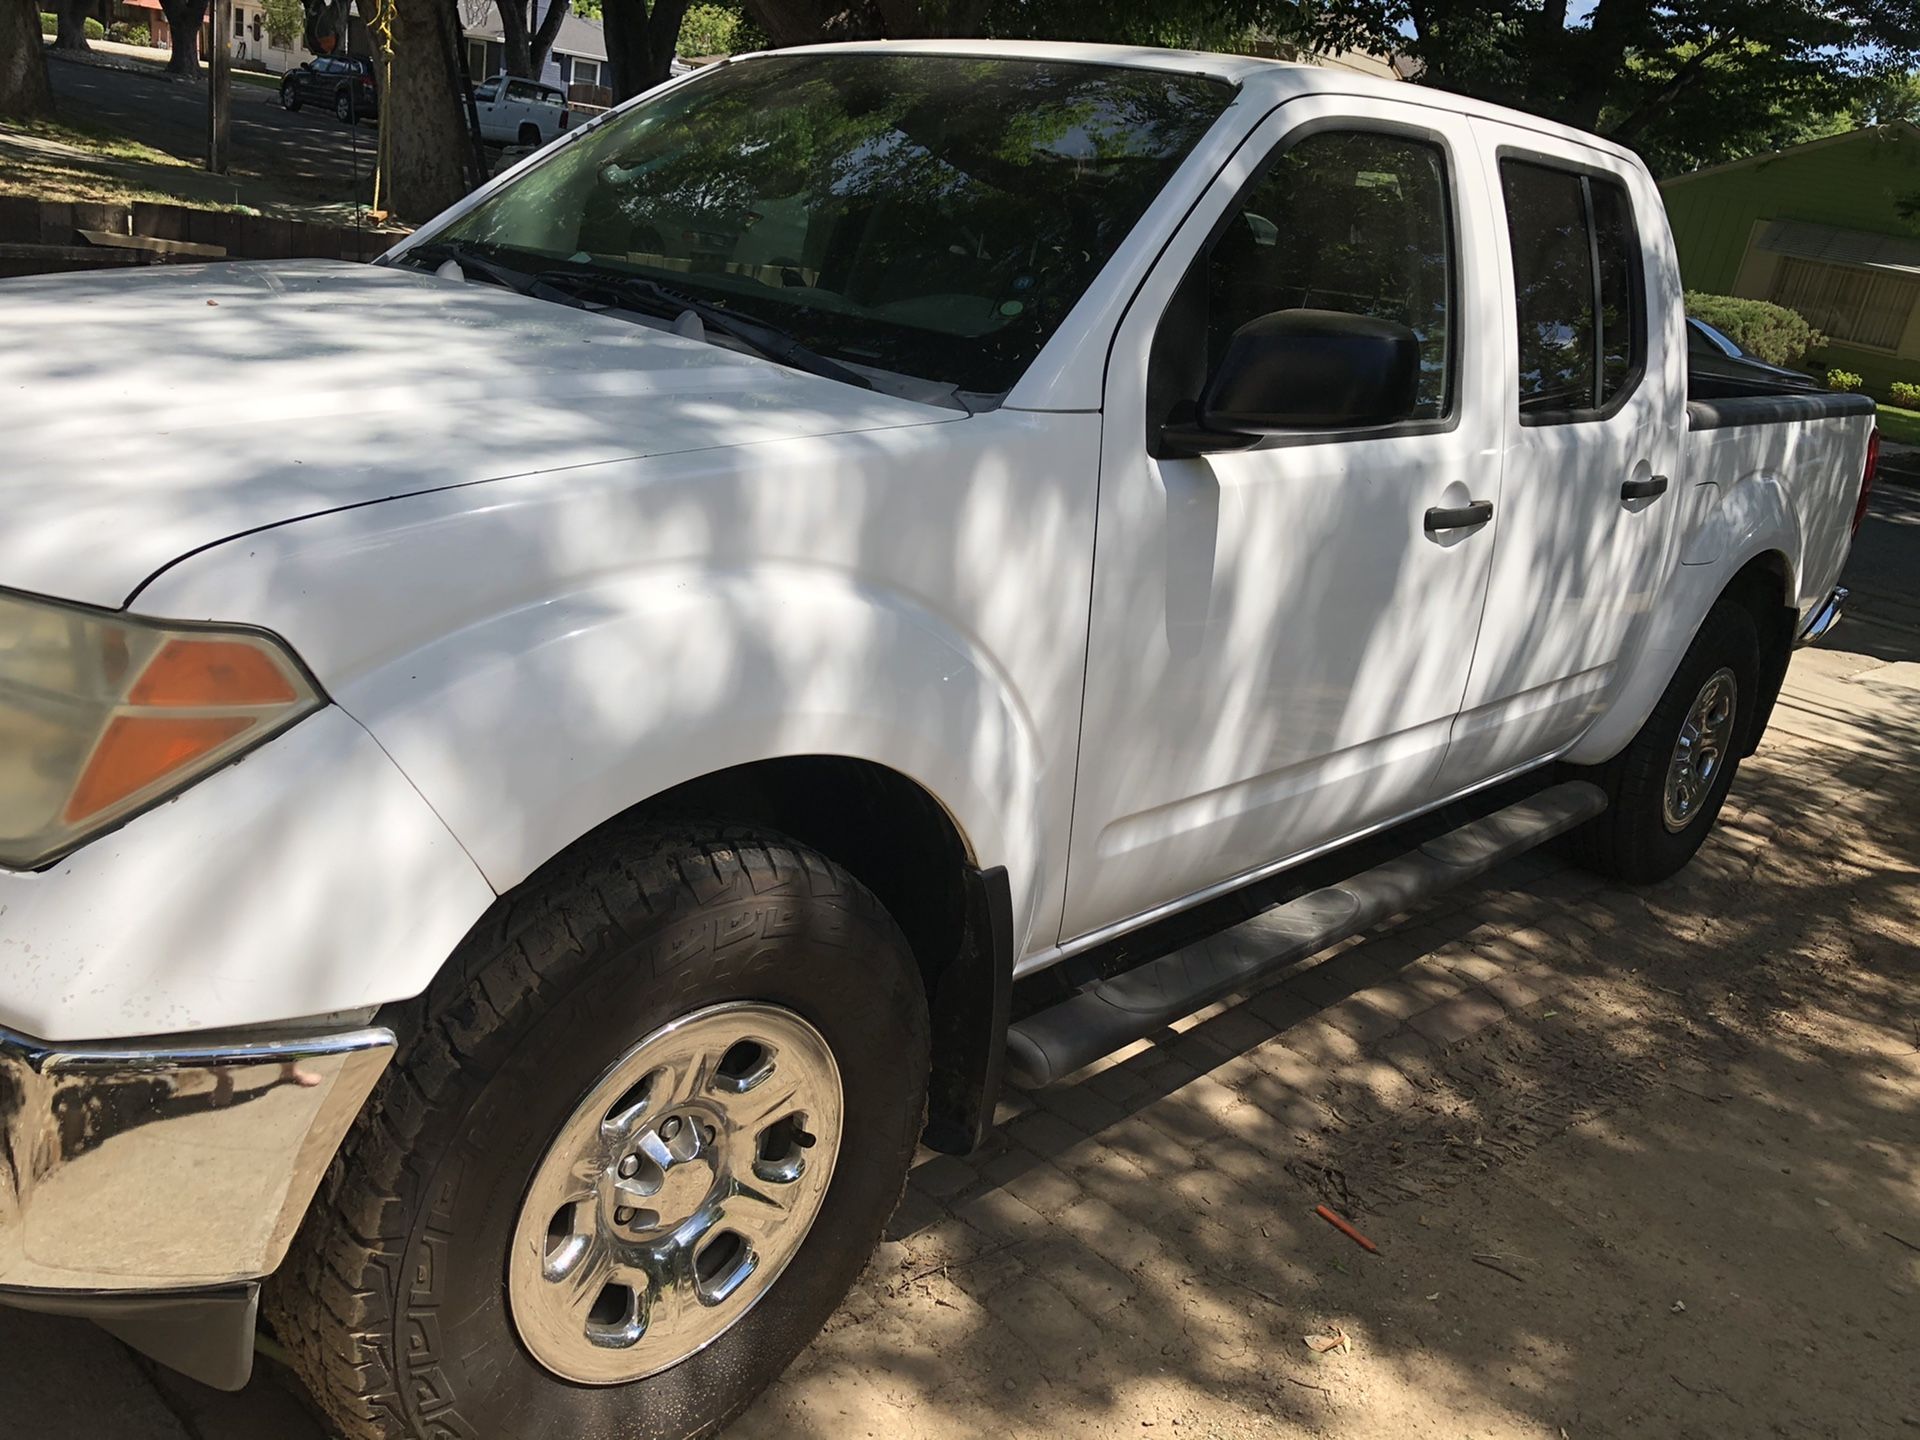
307 154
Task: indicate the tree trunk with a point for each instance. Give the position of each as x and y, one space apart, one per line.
640 40
422 109
183 19
71 29
540 43
24 91
518 59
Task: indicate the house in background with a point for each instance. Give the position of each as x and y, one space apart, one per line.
578 57
1817 228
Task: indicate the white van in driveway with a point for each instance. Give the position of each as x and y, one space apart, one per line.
520 112
740 631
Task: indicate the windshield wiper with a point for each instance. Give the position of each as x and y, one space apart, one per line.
472 263
763 339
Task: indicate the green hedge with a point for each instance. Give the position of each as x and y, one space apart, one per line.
1774 333
50 25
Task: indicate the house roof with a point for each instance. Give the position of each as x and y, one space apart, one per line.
580 37
1894 130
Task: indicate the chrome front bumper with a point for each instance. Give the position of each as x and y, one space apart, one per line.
166 1165
1825 616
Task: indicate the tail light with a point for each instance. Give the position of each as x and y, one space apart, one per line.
1866 479
566 118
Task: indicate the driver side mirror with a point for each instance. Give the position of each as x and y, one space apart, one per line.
1302 370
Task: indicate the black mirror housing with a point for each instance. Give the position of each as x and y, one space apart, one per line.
1304 370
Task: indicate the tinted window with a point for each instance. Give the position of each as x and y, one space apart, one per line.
1351 221
1348 221
1580 332
926 216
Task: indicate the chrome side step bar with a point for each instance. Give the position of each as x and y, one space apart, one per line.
1102 1018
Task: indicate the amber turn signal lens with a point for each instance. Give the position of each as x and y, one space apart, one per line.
210 673
137 750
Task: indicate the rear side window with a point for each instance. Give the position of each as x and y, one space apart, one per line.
1577 291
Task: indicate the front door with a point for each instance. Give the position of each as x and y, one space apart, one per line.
1280 643
1591 444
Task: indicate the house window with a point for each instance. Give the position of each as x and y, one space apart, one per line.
1850 303
585 72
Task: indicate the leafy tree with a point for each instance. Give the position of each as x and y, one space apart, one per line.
284 21
1680 80
24 91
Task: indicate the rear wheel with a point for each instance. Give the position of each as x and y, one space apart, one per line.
343 105
1666 788
638 1142
530 136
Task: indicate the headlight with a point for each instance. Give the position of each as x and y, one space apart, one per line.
103 714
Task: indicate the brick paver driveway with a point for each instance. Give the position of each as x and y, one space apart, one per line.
1637 1162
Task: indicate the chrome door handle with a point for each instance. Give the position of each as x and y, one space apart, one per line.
1459 518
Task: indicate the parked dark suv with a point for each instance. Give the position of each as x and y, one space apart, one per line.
342 83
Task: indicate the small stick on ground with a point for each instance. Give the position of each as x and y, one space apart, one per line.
1345 1229
1306 1384
1493 1264
1901 1239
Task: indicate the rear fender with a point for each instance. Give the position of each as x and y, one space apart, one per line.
1727 532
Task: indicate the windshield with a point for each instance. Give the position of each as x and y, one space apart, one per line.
926 216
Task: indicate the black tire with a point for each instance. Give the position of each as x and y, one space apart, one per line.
343 108
289 97
393 1302
530 136
1632 840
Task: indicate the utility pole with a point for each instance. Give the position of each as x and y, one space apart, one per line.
219 87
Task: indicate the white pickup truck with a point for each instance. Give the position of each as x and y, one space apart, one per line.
533 773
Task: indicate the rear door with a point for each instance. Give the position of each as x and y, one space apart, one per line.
1591 448
1279 643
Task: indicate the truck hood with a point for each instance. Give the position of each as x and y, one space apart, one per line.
147 414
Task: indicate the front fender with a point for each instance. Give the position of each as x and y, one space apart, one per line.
529 729
1725 533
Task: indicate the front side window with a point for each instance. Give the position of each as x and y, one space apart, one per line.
1581 327
1347 220
926 216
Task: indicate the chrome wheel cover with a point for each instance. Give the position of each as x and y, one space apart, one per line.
676 1193
1701 751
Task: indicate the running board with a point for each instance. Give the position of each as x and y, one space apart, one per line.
1102 1018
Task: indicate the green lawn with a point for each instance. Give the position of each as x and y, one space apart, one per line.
1899 426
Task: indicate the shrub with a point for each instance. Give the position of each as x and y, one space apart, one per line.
707 30
49 24
129 34
1843 380
1905 394
95 30
1774 333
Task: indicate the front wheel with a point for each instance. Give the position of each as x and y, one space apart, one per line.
638 1142
1666 788
289 99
